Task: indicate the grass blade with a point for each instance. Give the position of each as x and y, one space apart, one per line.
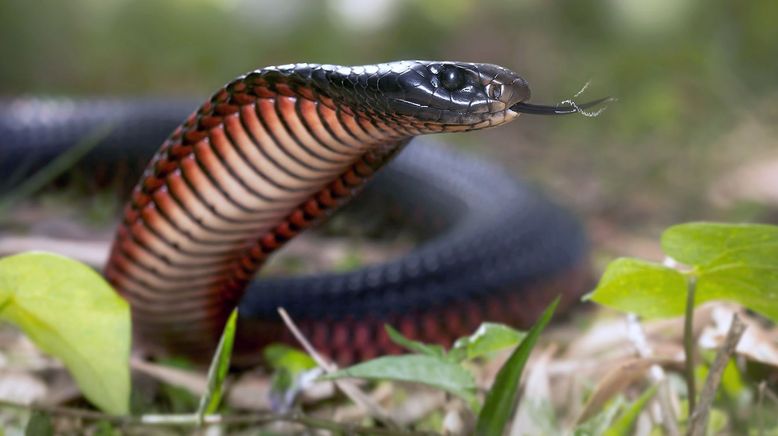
220 364
502 397
623 425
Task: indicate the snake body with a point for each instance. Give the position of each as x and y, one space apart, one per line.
277 150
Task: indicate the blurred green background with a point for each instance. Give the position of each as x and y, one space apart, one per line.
696 80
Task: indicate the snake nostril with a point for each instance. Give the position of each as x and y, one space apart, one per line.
494 91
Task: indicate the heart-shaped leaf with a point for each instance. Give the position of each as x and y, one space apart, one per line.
648 289
70 312
734 262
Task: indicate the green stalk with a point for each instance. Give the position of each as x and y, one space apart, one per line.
688 342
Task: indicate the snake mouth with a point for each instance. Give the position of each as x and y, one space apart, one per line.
568 107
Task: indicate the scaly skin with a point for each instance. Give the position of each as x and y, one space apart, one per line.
267 156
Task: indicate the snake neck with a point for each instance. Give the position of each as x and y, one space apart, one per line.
265 158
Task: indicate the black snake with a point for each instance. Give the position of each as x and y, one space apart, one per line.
277 150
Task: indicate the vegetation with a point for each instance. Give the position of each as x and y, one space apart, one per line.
70 312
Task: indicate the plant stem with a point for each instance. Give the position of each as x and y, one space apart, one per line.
688 343
698 418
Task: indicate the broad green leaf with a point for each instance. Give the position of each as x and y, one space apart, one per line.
411 345
645 288
735 262
220 364
747 283
622 426
701 243
414 368
501 399
70 312
489 337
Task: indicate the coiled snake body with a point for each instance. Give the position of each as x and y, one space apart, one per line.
276 151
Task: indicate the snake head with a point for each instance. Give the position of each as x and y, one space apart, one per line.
453 96
432 96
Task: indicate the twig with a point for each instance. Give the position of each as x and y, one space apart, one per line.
348 388
193 382
638 338
688 342
698 420
320 360
192 420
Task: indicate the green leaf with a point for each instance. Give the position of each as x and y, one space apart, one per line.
414 368
501 399
622 426
70 312
409 344
701 243
220 364
645 288
288 363
734 262
742 281
489 337
280 356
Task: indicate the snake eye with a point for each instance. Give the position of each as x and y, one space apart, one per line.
451 78
494 91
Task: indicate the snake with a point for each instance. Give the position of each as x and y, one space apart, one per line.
278 150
